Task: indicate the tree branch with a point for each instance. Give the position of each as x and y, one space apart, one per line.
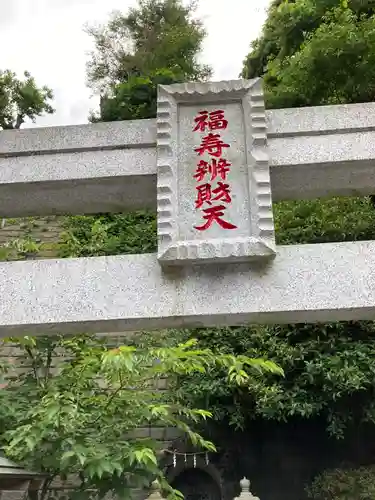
33 363
19 121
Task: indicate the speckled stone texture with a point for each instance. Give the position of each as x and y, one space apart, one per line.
250 207
104 167
322 151
78 182
133 133
307 283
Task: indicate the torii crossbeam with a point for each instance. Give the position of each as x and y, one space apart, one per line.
217 278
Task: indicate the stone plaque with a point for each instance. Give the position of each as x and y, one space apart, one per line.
213 188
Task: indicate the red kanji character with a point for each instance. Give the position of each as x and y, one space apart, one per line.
213 144
201 121
217 120
214 121
222 193
213 214
216 168
203 168
219 167
203 195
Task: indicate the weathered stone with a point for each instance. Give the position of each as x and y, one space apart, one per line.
155 491
63 183
93 137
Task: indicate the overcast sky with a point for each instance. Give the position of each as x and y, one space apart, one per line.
46 37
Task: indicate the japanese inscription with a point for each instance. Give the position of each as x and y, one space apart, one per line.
213 187
212 198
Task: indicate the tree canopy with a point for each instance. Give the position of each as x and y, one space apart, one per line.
21 99
158 41
156 35
134 99
327 43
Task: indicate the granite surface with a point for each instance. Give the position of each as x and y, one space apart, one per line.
247 232
307 283
319 151
96 136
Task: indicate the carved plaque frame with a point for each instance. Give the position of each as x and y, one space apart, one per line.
260 244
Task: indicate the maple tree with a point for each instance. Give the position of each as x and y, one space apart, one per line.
72 405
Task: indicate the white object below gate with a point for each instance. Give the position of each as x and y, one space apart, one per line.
245 491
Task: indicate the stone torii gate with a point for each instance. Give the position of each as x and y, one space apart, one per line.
207 163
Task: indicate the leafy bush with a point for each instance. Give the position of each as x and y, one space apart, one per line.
72 406
344 484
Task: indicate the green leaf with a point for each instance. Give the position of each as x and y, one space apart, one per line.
67 456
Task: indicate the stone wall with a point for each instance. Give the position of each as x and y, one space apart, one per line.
45 231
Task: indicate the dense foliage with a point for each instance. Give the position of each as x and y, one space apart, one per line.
158 41
344 484
21 99
327 43
329 373
135 99
157 34
109 234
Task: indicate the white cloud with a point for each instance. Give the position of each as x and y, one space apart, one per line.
46 37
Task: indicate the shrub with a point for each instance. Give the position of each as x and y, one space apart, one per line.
344 484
